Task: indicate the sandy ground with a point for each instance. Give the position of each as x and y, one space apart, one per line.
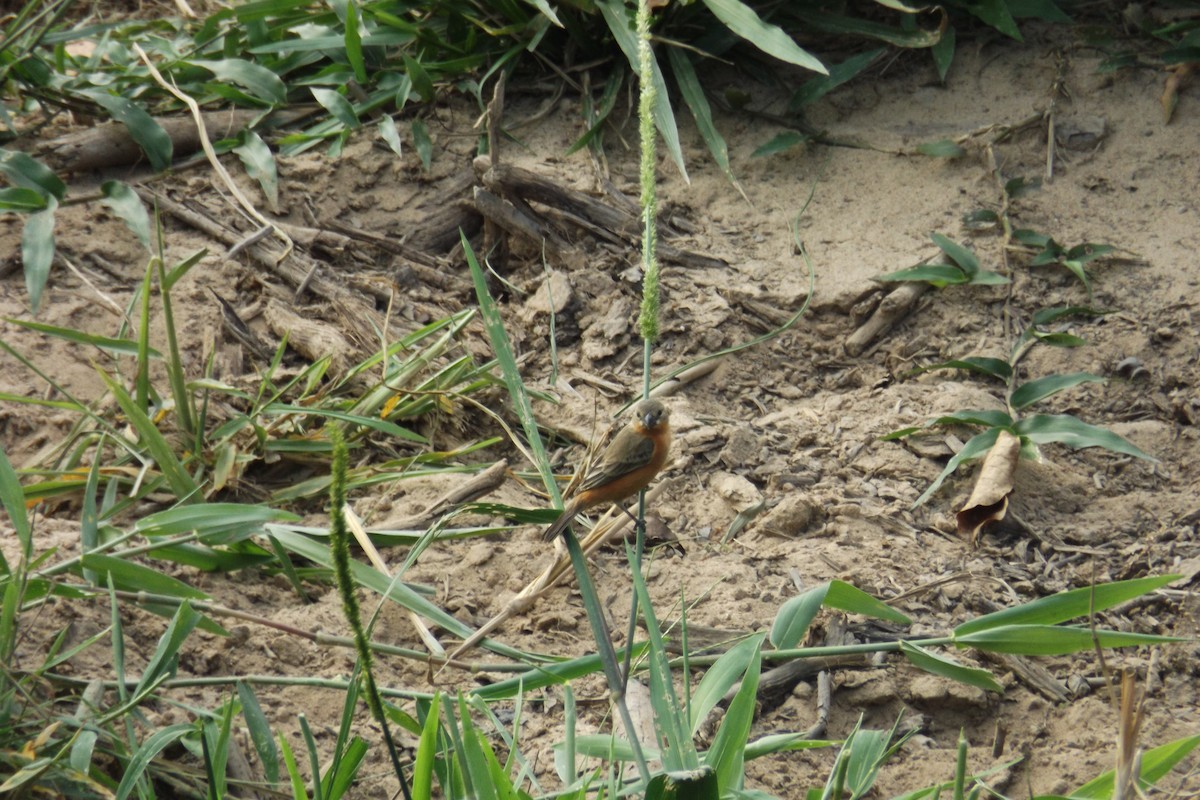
794 423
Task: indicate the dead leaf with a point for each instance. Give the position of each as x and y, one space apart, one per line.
989 499
1176 79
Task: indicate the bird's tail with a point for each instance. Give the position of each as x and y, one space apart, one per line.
567 516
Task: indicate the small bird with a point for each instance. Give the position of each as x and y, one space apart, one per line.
636 455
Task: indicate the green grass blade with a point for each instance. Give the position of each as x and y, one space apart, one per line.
144 756
37 251
1068 605
1155 764
771 39
221 522
12 496
957 253
719 679
184 488
975 447
816 88
259 164
1039 389
1053 640
727 755
697 103
422 778
128 208
1066 429
105 343
502 347
949 668
260 732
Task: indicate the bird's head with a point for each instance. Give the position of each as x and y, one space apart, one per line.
651 414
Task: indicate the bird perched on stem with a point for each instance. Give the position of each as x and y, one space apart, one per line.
628 464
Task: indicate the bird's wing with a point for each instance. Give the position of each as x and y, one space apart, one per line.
629 451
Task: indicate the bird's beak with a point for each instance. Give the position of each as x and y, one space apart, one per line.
650 420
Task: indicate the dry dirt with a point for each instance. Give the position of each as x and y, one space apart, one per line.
794 422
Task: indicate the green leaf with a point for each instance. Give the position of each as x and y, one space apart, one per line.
423 761
1155 764
181 482
996 14
1053 640
943 53
215 522
988 418
20 198
154 744
780 142
722 676
1039 389
726 756
12 496
815 88
1066 429
942 148
771 39
693 96
259 162
260 82
109 345
25 171
849 598
1039 9
138 578
354 46
619 24
983 365
421 82
795 616
336 105
389 134
960 255
37 251
949 668
1067 605
129 208
975 447
149 135
938 275
982 219
422 142
988 278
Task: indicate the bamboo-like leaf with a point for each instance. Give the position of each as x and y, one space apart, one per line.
1053 640
1066 429
422 142
983 365
1068 605
426 755
1155 764
155 743
259 81
938 275
726 757
12 496
109 345
1039 389
260 164
957 253
25 171
19 198
719 679
181 482
390 135
129 208
815 88
975 447
693 96
949 668
336 105
771 39
353 42
213 521
37 251
780 142
149 135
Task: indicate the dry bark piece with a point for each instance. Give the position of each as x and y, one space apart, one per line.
110 145
894 307
988 502
310 338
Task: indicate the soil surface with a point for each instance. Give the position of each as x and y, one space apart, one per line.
789 428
